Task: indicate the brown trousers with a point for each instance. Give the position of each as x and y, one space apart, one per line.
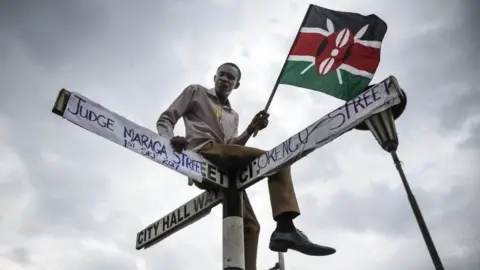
280 186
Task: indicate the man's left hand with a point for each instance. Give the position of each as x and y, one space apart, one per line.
259 122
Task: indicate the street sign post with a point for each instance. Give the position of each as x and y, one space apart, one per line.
97 119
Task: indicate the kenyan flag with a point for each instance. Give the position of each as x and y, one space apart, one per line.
334 52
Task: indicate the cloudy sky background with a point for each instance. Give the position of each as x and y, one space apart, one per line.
72 200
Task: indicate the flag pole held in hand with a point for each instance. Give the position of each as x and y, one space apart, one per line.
283 68
336 53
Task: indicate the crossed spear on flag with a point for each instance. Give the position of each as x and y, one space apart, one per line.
341 41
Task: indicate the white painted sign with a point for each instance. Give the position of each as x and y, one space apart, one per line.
99 120
107 124
178 219
374 100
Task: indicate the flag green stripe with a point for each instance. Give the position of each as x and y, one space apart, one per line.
328 84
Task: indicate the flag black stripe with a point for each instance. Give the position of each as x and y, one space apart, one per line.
317 17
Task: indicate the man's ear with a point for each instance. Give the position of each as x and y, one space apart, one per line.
237 85
214 78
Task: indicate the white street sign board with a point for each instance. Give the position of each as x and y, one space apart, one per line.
95 118
178 219
374 100
115 128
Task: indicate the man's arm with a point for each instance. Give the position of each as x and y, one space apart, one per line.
259 122
169 118
243 138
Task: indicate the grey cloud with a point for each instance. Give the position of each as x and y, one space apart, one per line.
109 50
96 260
384 210
52 30
414 255
65 202
473 141
451 217
449 59
20 255
440 81
387 210
461 109
82 43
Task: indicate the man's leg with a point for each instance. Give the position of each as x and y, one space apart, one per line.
251 228
280 186
282 196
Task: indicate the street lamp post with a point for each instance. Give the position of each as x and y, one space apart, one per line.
382 126
280 265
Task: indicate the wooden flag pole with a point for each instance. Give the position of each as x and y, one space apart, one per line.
284 65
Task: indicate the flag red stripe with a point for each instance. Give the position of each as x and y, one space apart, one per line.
362 57
307 44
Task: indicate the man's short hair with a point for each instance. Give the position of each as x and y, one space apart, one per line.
235 66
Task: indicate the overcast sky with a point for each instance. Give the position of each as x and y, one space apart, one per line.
71 200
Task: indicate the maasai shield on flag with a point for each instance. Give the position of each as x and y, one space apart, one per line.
334 52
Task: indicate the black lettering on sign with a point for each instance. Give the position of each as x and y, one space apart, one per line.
181 159
209 199
92 116
247 173
140 238
386 84
357 102
295 146
289 148
155 227
198 203
149 147
202 201
149 232
354 106
339 113
172 219
368 98
364 100
375 92
186 213
213 173
166 222
170 163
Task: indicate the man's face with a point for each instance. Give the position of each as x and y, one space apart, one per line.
226 79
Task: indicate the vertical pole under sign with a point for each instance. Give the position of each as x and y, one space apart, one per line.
233 246
281 261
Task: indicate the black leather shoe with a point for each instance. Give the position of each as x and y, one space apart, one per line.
297 240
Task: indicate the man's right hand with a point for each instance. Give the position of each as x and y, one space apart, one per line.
179 143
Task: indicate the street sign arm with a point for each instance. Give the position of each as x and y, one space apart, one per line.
185 215
377 98
97 119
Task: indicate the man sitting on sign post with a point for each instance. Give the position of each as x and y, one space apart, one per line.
211 127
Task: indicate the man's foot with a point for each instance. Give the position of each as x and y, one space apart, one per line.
297 240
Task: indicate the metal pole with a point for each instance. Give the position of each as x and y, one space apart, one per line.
233 245
418 215
281 261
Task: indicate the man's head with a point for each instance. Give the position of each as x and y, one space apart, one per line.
227 78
